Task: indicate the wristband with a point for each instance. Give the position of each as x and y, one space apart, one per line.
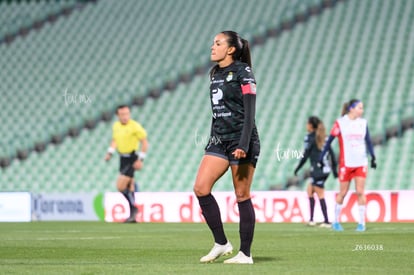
142 155
111 150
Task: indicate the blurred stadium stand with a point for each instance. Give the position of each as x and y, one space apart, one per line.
308 57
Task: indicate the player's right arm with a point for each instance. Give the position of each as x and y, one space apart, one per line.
309 143
111 150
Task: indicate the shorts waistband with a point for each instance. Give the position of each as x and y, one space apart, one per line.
127 155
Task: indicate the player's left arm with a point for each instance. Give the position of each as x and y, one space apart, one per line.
370 149
249 104
144 144
309 145
139 163
141 135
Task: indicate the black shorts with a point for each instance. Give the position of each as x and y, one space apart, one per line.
319 181
126 166
224 149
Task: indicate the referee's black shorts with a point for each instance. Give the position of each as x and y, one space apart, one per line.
126 166
224 149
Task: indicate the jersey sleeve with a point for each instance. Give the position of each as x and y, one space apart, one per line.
369 143
309 143
114 131
247 81
140 132
334 164
326 147
336 130
246 78
248 88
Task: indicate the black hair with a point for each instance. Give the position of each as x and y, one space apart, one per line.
314 121
121 107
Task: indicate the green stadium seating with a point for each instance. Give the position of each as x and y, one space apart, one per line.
105 51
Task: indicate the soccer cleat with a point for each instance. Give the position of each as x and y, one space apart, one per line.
130 220
360 227
325 225
217 251
132 216
311 223
336 226
134 212
240 258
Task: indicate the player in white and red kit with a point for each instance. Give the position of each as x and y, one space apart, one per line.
354 140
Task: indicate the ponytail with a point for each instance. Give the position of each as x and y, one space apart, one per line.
320 135
245 53
320 132
345 108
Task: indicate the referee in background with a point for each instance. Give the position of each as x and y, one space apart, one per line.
128 136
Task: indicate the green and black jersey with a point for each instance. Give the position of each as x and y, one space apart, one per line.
233 103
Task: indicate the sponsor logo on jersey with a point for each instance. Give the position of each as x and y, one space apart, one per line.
248 80
215 81
217 95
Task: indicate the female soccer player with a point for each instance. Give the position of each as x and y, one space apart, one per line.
314 142
127 135
234 143
352 132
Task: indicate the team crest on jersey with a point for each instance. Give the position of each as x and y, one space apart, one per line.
229 76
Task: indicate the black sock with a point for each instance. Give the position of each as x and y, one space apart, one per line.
211 213
312 207
246 227
324 212
130 198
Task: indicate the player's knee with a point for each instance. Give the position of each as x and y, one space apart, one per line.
360 193
200 190
242 195
122 184
341 195
120 189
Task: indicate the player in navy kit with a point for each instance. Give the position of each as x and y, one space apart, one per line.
314 142
234 143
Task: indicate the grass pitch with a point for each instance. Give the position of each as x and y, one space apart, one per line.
169 248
